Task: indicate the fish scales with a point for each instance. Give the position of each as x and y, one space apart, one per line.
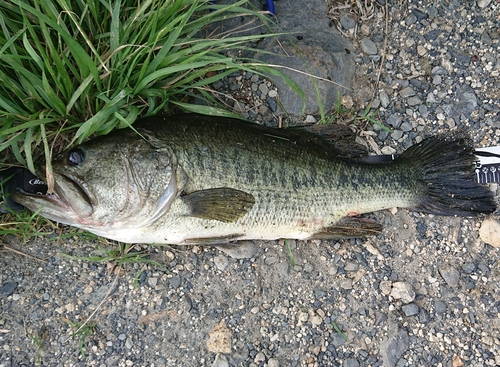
198 179
297 191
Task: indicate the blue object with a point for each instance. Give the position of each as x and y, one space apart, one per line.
270 5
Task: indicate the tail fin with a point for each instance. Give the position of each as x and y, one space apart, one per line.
447 165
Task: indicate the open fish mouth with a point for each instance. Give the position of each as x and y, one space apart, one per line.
70 203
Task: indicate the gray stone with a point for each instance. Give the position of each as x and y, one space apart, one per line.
221 262
423 316
368 46
462 59
394 121
414 101
308 268
468 268
220 361
325 54
347 22
423 110
439 307
407 92
129 343
346 284
410 309
464 103
483 3
350 266
406 126
403 291
375 104
393 348
240 250
264 89
337 339
436 79
439 70
450 275
419 14
384 99
270 260
175 282
411 19
350 362
397 134
8 288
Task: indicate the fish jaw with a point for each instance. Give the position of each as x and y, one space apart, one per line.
69 204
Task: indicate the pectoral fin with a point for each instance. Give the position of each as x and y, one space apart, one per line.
349 227
222 204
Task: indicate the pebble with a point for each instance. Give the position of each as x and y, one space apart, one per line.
350 362
410 309
490 231
450 275
337 340
346 284
221 262
419 14
406 126
483 3
384 99
175 282
394 347
347 21
439 307
129 343
397 134
240 250
407 92
394 121
220 339
385 287
270 260
403 291
414 101
8 288
273 362
220 361
350 266
368 46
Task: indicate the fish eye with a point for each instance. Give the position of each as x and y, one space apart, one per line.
75 157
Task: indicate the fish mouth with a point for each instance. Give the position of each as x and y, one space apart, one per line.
70 203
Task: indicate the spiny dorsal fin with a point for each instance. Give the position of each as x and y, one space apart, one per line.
222 204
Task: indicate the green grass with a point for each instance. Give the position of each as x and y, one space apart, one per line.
289 253
338 331
71 69
82 331
339 114
120 256
25 224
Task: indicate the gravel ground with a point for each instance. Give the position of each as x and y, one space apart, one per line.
424 293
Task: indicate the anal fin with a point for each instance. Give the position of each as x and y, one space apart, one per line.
348 228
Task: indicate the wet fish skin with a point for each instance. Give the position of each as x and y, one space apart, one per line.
199 179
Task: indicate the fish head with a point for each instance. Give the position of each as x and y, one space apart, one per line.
106 184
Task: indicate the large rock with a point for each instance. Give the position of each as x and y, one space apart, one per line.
490 231
312 47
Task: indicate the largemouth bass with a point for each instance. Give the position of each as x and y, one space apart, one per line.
193 179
